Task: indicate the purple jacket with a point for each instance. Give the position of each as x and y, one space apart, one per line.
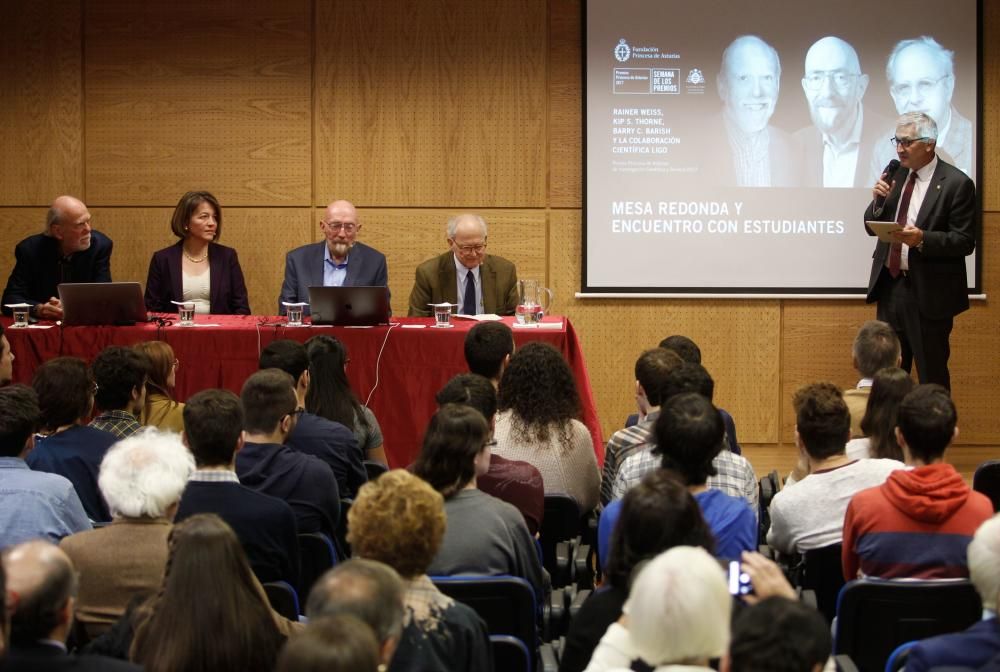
228 291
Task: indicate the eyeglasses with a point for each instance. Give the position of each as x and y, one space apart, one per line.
177 363
905 142
94 387
922 86
296 413
492 443
814 80
347 227
469 249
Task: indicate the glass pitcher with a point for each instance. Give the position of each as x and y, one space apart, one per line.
533 301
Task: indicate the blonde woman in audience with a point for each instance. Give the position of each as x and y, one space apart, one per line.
538 423
160 409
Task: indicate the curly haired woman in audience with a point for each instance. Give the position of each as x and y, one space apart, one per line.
889 386
330 395
160 409
537 423
398 519
211 614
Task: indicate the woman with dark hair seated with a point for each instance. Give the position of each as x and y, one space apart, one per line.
656 515
878 425
211 614
330 395
485 535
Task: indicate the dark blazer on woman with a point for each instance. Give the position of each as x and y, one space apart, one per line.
165 282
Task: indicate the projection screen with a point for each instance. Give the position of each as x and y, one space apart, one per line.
731 148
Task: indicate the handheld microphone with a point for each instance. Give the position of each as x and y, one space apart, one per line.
889 171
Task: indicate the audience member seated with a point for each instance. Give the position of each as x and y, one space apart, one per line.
515 482
269 466
889 387
651 371
265 526
465 275
677 615
42 583
6 360
141 478
778 634
160 410
368 590
980 643
196 268
120 376
488 349
68 251
656 515
731 474
210 612
33 504
919 522
66 446
538 423
337 261
689 435
329 440
810 514
330 395
876 347
331 644
399 519
485 535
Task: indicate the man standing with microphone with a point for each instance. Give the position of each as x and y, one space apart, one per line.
919 280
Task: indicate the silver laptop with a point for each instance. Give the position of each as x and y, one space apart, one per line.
349 306
102 303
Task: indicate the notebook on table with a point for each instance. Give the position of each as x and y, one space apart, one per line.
102 303
349 306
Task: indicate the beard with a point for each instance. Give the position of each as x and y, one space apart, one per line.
339 249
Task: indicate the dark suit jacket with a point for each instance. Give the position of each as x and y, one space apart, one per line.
47 658
436 282
336 445
366 267
38 268
810 145
948 219
973 647
228 290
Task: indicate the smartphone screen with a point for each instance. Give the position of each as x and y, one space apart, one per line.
739 581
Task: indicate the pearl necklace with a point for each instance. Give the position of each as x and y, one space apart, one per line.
193 260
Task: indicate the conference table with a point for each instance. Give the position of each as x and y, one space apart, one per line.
396 370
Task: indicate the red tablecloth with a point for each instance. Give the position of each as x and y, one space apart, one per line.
397 369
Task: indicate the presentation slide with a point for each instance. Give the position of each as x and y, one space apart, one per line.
731 148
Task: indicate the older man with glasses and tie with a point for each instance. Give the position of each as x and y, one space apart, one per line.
466 275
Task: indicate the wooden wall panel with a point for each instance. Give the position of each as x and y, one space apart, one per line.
15 225
425 103
41 137
408 237
193 95
565 105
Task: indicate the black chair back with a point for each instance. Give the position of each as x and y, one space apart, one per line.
510 654
561 523
316 555
987 481
283 599
875 616
823 573
374 469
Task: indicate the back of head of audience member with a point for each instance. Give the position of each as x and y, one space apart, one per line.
454 451
539 388
162 366
65 392
651 371
656 515
213 427
209 613
330 395
365 589
822 420
473 390
889 387
269 402
120 374
687 377
689 435
144 475
683 346
984 562
42 577
926 424
876 347
331 644
397 519
19 417
289 356
679 608
488 348
778 635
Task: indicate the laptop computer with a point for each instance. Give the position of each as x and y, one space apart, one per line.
102 303
349 306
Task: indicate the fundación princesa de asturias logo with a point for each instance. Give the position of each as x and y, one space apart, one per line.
622 50
695 77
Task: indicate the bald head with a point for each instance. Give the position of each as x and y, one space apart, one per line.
42 577
834 86
68 221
